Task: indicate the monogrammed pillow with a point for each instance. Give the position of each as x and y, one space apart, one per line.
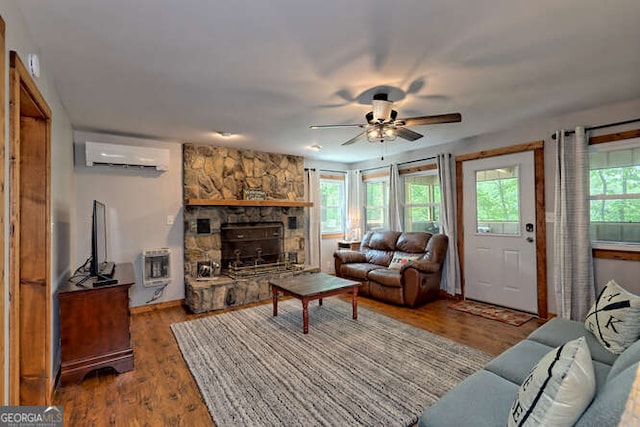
558 389
401 258
614 318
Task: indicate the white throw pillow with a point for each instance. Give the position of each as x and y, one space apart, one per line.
614 319
401 258
558 389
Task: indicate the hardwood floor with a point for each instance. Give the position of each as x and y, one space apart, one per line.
161 392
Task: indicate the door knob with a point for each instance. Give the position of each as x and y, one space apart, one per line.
530 239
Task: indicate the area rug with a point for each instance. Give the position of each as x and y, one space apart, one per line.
501 314
259 370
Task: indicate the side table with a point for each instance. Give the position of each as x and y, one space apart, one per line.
348 244
95 326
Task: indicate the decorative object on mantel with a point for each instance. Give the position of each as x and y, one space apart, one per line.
344 373
252 194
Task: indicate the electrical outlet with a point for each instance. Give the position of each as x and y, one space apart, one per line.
170 219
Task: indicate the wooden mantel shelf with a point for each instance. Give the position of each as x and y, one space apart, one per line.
233 202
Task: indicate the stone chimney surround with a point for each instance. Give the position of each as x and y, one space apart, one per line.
217 182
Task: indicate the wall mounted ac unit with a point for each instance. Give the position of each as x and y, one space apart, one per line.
98 153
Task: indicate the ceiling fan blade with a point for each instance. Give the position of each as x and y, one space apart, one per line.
359 137
432 120
408 134
336 126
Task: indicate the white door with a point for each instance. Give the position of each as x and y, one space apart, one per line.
499 231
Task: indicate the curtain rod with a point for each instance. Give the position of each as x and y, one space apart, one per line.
402 163
324 170
569 132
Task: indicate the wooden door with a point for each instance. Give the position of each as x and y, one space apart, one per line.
499 223
2 222
30 380
538 235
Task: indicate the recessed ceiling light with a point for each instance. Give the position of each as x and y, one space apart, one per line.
315 147
224 134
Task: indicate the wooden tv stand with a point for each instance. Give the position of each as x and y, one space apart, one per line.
94 326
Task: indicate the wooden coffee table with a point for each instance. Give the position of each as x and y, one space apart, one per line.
308 287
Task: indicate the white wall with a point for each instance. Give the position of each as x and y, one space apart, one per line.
622 271
62 179
138 203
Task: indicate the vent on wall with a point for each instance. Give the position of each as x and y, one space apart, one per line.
126 155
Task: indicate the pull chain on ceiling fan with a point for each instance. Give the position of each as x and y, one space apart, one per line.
382 124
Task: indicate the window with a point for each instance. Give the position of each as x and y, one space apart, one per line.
614 188
498 201
376 204
422 202
332 197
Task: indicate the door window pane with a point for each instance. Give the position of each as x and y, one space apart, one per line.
498 201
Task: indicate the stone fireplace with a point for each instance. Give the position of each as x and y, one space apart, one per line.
219 221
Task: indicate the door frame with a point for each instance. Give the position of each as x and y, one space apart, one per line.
30 379
3 326
541 230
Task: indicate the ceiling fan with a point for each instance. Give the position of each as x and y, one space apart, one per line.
383 124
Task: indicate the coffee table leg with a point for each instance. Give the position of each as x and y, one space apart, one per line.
320 301
354 302
305 315
274 291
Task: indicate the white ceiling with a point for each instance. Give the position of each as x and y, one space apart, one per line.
267 69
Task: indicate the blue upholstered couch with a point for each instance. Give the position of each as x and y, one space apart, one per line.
485 398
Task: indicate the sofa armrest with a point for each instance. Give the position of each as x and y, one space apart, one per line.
347 256
423 266
421 281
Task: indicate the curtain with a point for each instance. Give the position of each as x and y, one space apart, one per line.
450 281
573 263
354 205
313 232
396 198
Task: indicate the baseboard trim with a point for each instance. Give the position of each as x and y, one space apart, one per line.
159 306
445 295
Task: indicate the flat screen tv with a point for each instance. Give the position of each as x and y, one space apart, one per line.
98 239
99 268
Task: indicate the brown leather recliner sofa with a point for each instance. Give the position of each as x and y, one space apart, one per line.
400 268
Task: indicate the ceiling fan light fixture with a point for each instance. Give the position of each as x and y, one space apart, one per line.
374 134
382 110
389 132
382 123
381 134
